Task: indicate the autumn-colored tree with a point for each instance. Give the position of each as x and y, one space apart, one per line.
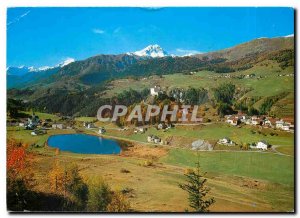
118 203
103 199
57 178
57 151
20 179
15 158
19 162
77 188
65 180
100 196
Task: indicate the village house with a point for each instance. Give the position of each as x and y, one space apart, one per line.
285 127
101 130
58 126
285 124
155 91
249 76
269 122
255 120
153 139
23 122
140 129
234 121
288 124
90 126
226 141
38 132
243 118
32 122
33 133
161 126
263 145
248 121
279 124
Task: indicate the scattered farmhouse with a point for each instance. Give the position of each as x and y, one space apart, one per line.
38 132
263 145
33 133
279 124
89 125
226 141
101 130
154 139
161 126
32 122
285 127
233 120
269 122
58 126
155 91
249 76
140 129
255 120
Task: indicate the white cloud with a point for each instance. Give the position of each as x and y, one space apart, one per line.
186 52
98 31
17 19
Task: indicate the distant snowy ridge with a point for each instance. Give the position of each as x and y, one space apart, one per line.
291 35
21 70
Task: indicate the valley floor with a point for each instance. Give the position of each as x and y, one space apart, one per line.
240 181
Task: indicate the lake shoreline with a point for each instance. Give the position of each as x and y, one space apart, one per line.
122 145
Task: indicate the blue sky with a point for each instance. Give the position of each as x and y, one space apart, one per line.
47 36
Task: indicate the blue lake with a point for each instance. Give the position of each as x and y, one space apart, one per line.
84 144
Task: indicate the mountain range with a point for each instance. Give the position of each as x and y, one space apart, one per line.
76 76
23 75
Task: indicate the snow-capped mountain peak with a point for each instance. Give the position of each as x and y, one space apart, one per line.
66 62
153 51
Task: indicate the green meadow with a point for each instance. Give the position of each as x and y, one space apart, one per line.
258 165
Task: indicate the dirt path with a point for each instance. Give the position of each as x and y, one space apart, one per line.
279 153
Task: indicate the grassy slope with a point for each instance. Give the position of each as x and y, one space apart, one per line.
230 192
269 86
261 88
228 175
263 166
43 116
214 132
